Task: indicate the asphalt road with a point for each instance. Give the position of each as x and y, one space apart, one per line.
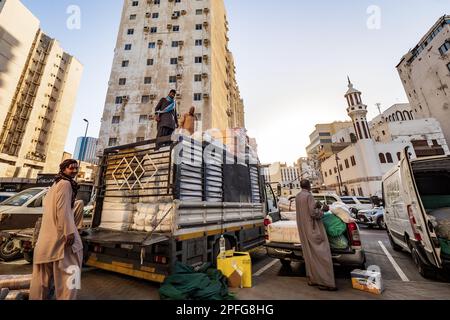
272 281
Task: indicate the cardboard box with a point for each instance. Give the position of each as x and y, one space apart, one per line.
368 281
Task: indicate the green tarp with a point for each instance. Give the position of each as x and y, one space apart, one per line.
186 283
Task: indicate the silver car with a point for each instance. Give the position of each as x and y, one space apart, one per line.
372 218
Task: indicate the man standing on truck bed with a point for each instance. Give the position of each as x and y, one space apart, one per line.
166 117
314 239
58 253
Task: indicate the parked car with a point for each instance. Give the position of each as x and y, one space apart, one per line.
357 203
5 196
19 212
416 193
372 218
290 250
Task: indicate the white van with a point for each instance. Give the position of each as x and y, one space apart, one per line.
415 193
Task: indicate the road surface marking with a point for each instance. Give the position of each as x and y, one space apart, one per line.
394 263
265 268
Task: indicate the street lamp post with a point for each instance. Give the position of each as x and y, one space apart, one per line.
339 175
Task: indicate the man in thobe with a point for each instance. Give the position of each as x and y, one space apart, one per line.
167 117
315 245
188 121
58 253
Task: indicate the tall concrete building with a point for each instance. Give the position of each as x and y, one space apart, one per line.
164 45
38 86
425 74
85 149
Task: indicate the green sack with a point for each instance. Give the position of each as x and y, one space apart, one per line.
445 246
334 225
339 242
189 284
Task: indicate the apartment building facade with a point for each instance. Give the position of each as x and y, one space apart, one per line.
425 74
164 45
38 82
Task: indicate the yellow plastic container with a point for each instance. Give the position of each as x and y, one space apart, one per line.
236 260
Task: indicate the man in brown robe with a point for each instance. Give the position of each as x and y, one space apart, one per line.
314 239
188 121
58 253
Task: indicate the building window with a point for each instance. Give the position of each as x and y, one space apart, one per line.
133 17
340 167
157 2
347 165
199 42
130 31
172 79
147 80
353 161
175 44
155 15
145 99
125 63
198 59
382 158
150 62
335 170
326 174
199 26
173 60
135 3
176 28
128 47
122 81
153 30
197 77
115 120
444 48
199 12
112 142
152 45
197 96
143 118
399 156
360 191
389 158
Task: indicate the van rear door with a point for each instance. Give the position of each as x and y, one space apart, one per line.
423 229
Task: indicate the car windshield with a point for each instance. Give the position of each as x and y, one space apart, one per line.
21 198
365 200
348 200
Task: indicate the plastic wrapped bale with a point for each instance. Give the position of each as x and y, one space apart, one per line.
441 221
445 247
334 226
342 211
117 216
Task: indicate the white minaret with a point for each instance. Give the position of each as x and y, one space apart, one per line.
358 112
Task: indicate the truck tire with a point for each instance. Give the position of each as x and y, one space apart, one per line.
285 263
424 270
381 224
28 256
394 246
8 251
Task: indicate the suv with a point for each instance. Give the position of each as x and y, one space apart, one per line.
357 203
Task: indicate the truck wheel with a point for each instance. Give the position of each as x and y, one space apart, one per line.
285 263
424 270
381 224
394 246
9 252
28 256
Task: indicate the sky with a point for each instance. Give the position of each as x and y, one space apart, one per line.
292 59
